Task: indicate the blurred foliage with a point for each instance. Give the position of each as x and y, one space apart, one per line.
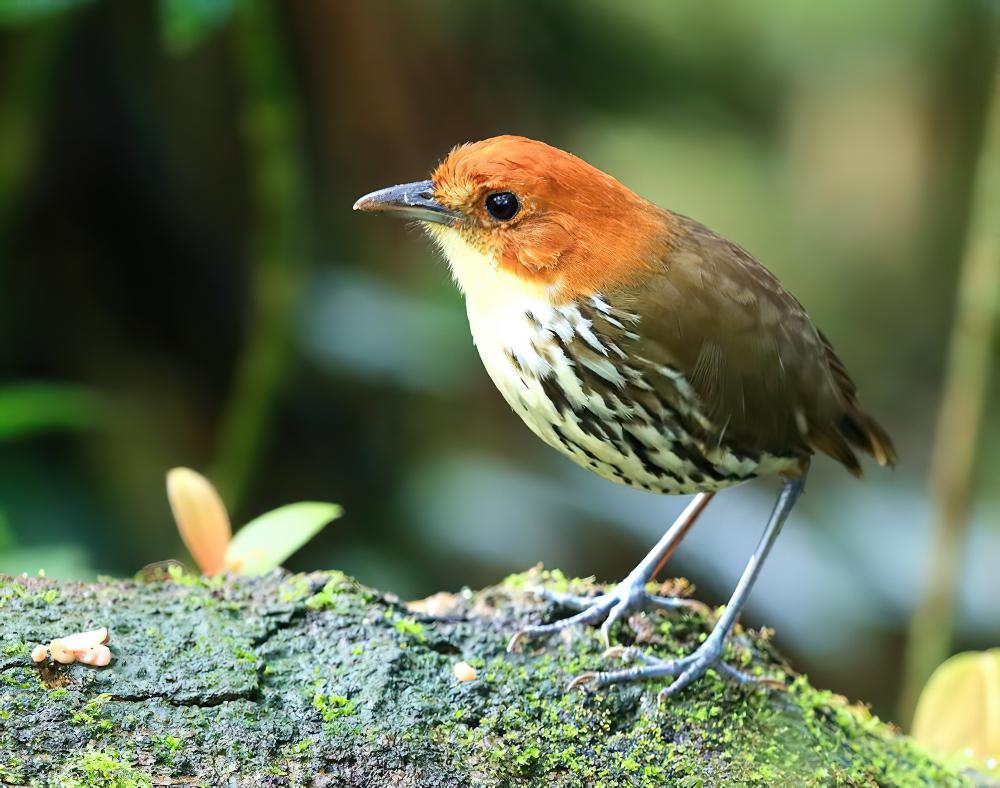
186 22
20 12
269 121
960 416
29 408
177 246
957 712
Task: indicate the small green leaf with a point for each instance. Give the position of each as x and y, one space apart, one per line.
27 408
19 12
959 707
184 24
265 542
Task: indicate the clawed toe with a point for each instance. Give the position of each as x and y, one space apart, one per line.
592 614
582 680
607 609
651 668
617 612
685 670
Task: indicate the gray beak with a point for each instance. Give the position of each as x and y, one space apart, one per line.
410 200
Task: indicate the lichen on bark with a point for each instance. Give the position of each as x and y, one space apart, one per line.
315 679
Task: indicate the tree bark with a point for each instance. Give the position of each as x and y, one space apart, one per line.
315 679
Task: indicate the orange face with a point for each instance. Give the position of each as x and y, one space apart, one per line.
547 216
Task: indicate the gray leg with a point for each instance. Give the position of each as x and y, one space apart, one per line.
709 654
630 594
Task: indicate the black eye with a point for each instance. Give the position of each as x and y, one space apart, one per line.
502 205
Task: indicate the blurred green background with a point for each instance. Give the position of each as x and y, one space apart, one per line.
182 282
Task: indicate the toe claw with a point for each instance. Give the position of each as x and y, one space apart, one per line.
582 680
606 632
514 644
619 609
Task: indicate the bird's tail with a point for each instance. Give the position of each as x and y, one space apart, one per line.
855 429
862 431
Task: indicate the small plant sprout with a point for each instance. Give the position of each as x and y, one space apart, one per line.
90 648
258 547
201 518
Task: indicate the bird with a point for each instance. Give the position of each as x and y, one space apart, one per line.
643 346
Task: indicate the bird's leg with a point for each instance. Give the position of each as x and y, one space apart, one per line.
709 654
630 594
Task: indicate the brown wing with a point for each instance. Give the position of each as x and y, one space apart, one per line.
767 379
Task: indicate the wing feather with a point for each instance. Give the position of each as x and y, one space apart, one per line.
766 378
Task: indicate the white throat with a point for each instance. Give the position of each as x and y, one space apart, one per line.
487 286
506 314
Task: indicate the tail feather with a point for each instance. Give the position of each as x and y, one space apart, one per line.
863 431
855 429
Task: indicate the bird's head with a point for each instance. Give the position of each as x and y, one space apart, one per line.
514 214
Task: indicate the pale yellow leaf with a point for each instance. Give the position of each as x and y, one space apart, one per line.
959 707
201 518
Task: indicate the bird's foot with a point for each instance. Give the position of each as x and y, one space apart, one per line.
629 596
685 670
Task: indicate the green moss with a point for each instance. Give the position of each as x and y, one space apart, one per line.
552 579
11 771
245 655
340 594
333 707
165 748
17 590
295 590
16 649
90 717
182 577
877 754
106 768
19 678
299 749
410 627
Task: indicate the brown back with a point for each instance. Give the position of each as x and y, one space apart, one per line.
768 380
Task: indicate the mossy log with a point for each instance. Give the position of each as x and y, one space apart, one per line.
314 679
